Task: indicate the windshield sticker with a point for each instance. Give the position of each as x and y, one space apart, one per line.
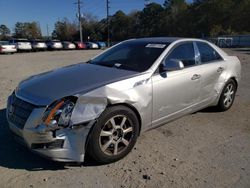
118 65
155 46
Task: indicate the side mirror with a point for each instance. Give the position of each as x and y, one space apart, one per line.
171 65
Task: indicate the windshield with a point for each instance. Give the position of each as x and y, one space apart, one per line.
22 40
132 55
40 41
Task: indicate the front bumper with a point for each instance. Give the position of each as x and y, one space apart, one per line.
65 145
8 50
39 47
24 48
57 47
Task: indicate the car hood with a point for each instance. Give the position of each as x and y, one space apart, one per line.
45 88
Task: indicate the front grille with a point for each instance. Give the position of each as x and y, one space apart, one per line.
19 111
51 145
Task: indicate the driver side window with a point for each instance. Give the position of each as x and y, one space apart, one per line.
185 53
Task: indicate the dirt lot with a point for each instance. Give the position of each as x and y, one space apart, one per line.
205 149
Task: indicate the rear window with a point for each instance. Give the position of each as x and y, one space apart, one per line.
40 41
207 53
22 40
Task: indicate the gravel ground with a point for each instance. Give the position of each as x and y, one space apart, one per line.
205 149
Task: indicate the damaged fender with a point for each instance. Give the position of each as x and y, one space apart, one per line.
87 109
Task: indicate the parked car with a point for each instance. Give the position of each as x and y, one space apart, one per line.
5 47
102 106
101 45
80 45
21 44
38 45
54 45
68 45
91 45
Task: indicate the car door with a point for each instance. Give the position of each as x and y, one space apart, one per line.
176 92
212 67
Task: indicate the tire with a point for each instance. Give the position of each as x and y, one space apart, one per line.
227 96
107 141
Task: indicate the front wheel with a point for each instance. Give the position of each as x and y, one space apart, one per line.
114 135
227 96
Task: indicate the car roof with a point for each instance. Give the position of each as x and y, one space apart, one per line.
159 39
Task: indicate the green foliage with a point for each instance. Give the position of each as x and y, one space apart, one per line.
30 30
92 29
4 32
202 18
64 30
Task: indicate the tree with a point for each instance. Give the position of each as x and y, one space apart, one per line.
149 20
65 30
240 16
92 28
201 18
4 32
30 30
119 26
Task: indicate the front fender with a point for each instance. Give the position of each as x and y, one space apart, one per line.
87 108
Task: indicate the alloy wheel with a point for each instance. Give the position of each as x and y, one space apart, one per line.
228 95
116 135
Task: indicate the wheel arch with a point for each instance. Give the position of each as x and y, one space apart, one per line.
235 80
111 105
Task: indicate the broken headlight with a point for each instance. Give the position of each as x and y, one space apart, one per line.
59 114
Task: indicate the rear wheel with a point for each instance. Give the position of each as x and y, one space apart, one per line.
114 135
227 96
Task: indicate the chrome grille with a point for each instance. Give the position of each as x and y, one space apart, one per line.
19 111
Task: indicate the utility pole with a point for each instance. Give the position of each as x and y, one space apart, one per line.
108 7
79 16
39 27
47 30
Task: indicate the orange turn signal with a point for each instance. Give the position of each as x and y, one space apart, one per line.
52 112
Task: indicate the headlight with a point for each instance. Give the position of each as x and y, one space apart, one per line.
59 114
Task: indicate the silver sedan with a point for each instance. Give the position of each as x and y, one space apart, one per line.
102 106
5 47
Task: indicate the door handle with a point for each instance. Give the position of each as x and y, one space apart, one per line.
196 77
220 69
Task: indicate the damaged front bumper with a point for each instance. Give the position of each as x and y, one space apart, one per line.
65 144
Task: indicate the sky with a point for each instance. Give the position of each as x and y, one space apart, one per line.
47 12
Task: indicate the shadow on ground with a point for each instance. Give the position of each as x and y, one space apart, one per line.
242 49
16 156
211 109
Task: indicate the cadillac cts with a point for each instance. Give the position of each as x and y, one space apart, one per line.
100 107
